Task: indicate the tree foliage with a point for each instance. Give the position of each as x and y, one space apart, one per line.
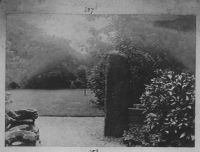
30 53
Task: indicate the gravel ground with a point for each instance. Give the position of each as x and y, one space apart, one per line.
74 132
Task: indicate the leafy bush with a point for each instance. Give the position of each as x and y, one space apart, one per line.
134 136
138 135
96 82
169 103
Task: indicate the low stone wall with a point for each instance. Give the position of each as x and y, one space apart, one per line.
20 129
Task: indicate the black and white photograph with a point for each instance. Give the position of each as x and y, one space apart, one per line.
99 80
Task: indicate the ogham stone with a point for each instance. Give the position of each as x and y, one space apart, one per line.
117 98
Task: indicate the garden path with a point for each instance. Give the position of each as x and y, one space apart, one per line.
74 132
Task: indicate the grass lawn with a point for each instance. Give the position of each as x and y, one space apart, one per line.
56 102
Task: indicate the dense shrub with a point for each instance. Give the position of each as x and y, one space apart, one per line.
96 82
134 136
138 135
169 103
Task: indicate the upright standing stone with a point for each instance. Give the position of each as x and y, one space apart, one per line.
117 95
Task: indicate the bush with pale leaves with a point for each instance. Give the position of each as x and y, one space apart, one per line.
169 102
